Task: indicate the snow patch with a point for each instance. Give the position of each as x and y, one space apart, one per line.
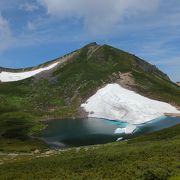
17 76
117 103
129 129
119 131
119 139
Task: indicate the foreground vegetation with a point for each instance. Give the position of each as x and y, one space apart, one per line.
149 157
21 146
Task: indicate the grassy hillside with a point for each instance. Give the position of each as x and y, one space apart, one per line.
23 104
149 157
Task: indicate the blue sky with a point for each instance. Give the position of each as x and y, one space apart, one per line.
35 31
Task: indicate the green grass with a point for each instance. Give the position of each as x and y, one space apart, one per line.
149 157
21 146
157 88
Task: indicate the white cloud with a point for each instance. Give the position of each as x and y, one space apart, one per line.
5 33
99 16
29 7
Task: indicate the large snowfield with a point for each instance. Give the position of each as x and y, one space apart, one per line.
117 103
17 76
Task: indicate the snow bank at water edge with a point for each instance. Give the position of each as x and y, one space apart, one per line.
129 129
117 103
17 76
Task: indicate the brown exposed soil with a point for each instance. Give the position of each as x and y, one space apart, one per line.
126 80
172 114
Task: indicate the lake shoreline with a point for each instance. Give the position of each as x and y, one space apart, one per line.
63 133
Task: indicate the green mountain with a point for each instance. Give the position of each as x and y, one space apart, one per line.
59 92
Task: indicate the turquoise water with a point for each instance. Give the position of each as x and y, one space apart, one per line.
120 124
80 132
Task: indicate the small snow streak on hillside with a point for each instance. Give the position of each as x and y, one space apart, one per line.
17 76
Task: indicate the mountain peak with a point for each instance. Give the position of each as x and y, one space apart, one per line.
91 44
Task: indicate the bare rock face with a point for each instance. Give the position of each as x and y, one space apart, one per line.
147 67
178 83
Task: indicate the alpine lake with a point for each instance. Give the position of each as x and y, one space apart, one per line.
90 131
